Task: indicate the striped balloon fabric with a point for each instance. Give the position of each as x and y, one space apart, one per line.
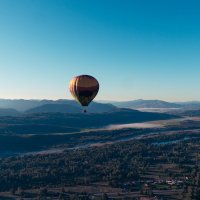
84 89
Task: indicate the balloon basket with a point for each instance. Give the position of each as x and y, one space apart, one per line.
84 111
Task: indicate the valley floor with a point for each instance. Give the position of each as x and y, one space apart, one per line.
131 163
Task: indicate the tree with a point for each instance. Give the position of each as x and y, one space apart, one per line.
105 197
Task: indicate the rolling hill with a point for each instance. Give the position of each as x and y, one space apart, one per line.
49 106
40 123
8 112
55 108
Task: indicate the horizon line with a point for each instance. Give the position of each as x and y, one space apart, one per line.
98 100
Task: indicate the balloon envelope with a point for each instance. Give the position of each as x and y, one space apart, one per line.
84 89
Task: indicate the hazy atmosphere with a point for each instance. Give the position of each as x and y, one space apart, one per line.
136 49
99 100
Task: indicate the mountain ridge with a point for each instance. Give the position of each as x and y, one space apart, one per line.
140 103
16 107
28 106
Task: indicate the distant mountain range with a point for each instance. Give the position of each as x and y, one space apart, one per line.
18 107
146 104
21 106
190 105
140 103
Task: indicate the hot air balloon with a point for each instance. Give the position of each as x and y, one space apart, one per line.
84 89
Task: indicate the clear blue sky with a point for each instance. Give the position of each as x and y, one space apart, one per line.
146 49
